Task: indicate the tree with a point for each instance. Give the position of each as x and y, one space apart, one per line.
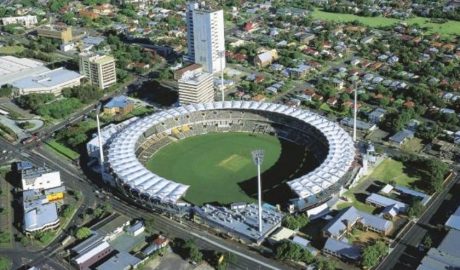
6 91
149 224
193 253
82 233
416 209
373 253
5 264
323 264
427 242
288 250
295 222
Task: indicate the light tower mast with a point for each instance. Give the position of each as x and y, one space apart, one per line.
222 55
355 111
258 158
101 151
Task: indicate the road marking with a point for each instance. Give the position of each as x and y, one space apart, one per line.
25 155
234 251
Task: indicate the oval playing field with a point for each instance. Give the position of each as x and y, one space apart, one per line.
202 153
216 165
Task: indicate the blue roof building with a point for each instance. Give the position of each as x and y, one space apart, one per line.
118 105
445 256
401 136
341 249
454 220
40 217
350 217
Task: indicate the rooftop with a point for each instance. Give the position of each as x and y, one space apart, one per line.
40 216
349 216
243 221
342 248
454 220
14 68
121 260
118 102
50 78
401 136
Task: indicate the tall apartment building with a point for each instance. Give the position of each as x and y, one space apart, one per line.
195 85
205 36
99 69
62 33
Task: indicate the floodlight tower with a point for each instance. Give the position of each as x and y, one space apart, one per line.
101 151
258 158
222 56
355 112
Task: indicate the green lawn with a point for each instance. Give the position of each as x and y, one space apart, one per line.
392 170
63 150
450 28
11 49
214 164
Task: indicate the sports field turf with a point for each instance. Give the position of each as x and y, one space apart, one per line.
214 164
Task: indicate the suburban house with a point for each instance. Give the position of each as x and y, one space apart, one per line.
266 58
391 208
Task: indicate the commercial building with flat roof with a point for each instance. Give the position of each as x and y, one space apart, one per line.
48 82
26 21
40 178
240 223
13 68
62 33
196 86
91 254
99 69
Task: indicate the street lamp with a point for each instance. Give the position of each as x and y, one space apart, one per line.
258 158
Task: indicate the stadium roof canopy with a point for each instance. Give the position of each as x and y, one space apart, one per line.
124 163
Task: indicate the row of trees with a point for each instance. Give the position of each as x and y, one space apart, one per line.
373 253
289 251
85 93
432 171
295 222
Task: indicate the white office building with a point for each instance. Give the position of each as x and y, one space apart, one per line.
205 35
49 82
26 21
40 179
196 86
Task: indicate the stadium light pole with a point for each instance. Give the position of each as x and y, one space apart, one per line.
355 112
222 55
258 158
101 151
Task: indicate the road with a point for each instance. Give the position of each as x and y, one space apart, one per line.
415 234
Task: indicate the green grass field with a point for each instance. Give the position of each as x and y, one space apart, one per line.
214 164
450 28
393 170
11 49
62 149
